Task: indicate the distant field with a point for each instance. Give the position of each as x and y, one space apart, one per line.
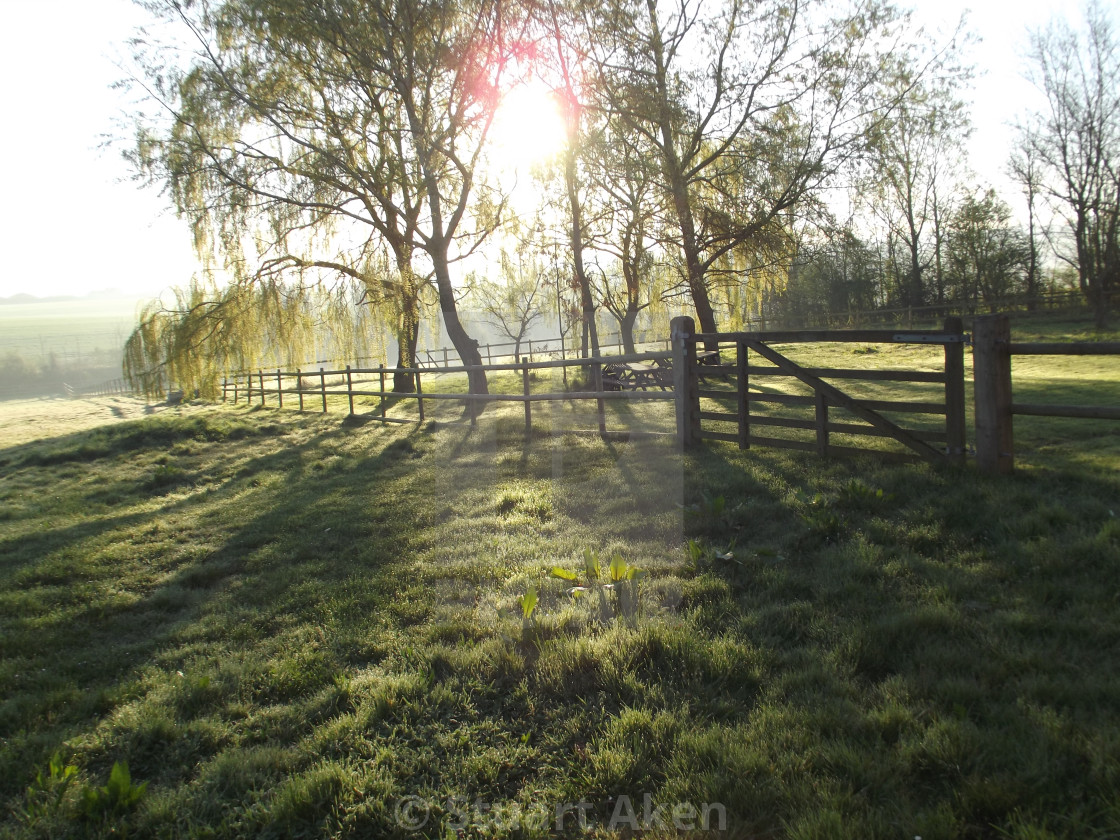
71 330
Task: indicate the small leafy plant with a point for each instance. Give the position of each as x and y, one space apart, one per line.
44 795
856 494
618 597
819 515
700 555
117 797
528 604
708 507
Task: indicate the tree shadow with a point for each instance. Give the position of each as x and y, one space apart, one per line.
76 645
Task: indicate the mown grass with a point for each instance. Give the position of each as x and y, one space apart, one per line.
290 625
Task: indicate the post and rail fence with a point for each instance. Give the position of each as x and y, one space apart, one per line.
265 386
709 394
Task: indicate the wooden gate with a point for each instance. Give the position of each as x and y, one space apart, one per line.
712 393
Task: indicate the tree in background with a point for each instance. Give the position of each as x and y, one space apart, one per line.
987 253
573 91
1076 142
835 277
519 300
624 193
1025 169
913 155
746 107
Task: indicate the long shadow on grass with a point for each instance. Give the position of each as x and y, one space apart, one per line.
122 444
288 539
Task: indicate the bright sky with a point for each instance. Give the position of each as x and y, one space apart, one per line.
71 222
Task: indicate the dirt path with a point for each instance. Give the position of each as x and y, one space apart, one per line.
22 421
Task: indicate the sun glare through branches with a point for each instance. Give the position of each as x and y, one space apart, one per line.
528 127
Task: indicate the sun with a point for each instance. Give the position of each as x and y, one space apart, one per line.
528 128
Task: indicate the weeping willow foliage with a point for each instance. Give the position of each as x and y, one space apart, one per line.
210 332
751 277
303 142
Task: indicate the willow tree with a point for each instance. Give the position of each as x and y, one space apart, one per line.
779 93
207 330
303 137
519 300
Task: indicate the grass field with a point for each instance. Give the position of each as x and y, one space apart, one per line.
296 625
47 345
74 329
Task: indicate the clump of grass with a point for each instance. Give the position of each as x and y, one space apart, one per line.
529 502
166 475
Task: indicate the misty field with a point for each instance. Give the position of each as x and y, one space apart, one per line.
70 329
46 346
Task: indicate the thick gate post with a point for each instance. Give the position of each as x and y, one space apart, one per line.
742 384
685 380
954 394
991 345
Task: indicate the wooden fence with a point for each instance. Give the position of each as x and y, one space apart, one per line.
531 350
101 389
314 387
946 444
731 394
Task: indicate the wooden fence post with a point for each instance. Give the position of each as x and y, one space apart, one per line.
681 331
260 375
991 347
954 394
249 388
299 387
223 389
279 388
419 395
323 387
235 390
525 393
350 389
381 374
742 383
597 386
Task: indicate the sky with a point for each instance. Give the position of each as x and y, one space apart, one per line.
72 222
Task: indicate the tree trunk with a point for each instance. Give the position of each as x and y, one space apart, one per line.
626 328
464 345
407 336
678 186
408 332
1101 304
587 303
